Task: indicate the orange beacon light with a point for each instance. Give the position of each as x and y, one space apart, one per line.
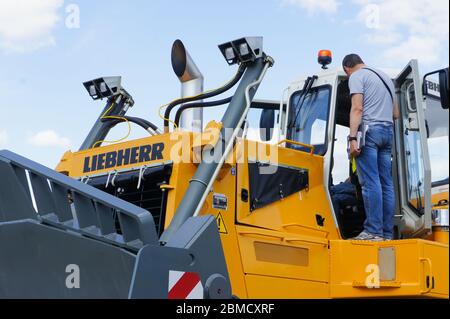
325 58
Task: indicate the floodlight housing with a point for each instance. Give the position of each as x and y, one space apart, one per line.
104 87
242 50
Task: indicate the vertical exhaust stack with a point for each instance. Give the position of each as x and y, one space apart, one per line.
247 51
191 84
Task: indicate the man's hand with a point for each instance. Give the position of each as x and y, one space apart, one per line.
354 151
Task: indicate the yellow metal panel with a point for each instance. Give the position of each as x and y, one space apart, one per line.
297 212
76 163
181 175
265 287
353 266
280 254
436 269
440 235
288 259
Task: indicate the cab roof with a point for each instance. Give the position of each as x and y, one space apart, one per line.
338 72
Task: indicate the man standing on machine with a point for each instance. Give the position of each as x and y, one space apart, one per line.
370 142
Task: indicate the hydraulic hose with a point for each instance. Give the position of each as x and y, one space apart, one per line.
199 104
205 95
146 125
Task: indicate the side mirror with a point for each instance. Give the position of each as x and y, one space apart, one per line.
439 91
444 88
266 124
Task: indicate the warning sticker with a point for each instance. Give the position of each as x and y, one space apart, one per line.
221 224
220 201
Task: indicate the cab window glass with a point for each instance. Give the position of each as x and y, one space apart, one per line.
308 119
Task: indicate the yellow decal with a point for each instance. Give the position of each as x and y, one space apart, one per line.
221 224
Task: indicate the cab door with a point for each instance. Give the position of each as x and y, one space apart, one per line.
412 159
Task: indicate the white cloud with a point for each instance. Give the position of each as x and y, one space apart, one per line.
408 29
427 50
3 137
26 25
49 138
314 6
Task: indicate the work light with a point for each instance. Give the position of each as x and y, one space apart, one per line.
104 87
242 50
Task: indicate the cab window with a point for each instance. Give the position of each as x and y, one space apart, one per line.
308 118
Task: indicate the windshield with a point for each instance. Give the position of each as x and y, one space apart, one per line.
308 118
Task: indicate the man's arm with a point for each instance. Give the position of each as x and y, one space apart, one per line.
356 113
396 111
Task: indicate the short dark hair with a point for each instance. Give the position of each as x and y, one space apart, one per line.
352 60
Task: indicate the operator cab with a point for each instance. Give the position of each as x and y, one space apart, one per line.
321 118
318 114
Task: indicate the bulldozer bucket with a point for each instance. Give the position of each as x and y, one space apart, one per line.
61 238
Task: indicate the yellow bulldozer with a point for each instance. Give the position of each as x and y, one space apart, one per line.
227 210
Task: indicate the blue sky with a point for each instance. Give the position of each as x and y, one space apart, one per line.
45 109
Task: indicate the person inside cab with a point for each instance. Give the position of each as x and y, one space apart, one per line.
370 141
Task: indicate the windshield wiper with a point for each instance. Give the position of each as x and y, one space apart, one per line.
305 91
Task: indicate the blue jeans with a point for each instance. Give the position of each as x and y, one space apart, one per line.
374 168
342 195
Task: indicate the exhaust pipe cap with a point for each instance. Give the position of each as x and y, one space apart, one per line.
183 65
179 59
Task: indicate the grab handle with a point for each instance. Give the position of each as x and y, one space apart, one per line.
254 234
429 278
310 147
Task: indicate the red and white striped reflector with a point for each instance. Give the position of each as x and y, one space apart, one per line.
185 285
